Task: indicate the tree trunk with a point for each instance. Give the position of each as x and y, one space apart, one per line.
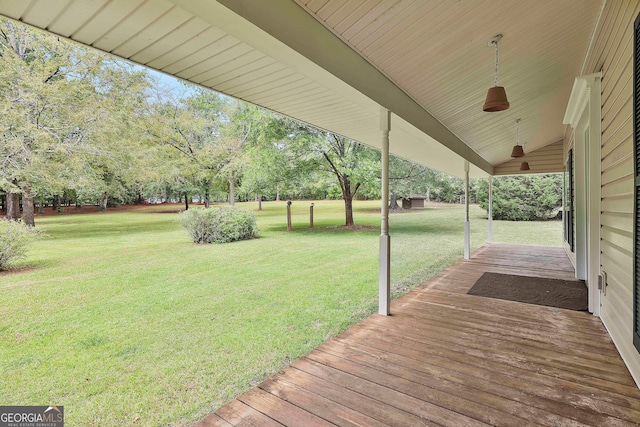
232 188
393 204
13 205
207 199
104 202
259 203
428 195
9 205
348 211
186 202
347 196
28 208
277 194
56 200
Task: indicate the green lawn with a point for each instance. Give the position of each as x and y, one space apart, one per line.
125 322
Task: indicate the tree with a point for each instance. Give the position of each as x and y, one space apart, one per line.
353 165
445 188
211 133
406 178
60 107
280 161
522 198
236 133
183 133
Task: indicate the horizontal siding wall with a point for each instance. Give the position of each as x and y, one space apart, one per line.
547 159
612 53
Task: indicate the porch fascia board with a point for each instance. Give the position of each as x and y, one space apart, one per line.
311 39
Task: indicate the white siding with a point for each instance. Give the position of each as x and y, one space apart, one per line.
612 53
547 159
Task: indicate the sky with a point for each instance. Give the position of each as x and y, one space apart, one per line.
174 85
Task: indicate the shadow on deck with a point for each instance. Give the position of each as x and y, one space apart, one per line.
448 358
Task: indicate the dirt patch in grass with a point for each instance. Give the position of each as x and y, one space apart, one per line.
16 270
87 209
352 227
93 209
171 211
402 210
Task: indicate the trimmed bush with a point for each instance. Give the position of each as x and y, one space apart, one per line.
219 225
522 198
15 238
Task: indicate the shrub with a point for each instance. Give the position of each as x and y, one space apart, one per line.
523 198
219 225
15 238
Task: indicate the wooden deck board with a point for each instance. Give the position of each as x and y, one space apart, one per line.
379 411
475 384
519 348
448 358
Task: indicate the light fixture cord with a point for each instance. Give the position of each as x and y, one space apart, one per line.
496 70
517 132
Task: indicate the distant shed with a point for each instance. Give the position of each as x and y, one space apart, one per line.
414 201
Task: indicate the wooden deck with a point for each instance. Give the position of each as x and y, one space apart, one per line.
448 358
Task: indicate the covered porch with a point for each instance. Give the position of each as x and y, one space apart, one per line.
447 358
419 71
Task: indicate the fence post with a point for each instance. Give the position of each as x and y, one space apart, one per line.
311 216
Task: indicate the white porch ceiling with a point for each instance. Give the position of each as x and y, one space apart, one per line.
437 52
333 63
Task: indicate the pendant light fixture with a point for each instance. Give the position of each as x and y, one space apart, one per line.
496 96
524 166
517 151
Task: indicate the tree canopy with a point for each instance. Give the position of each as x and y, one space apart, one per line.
64 112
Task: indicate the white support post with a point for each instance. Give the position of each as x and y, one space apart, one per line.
490 212
467 230
384 290
584 115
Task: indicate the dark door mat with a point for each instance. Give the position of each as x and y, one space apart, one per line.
568 294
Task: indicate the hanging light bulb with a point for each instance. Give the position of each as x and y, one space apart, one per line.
496 96
517 151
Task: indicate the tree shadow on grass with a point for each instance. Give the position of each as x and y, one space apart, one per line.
410 228
336 229
84 231
400 229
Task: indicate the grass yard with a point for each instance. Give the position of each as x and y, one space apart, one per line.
123 321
